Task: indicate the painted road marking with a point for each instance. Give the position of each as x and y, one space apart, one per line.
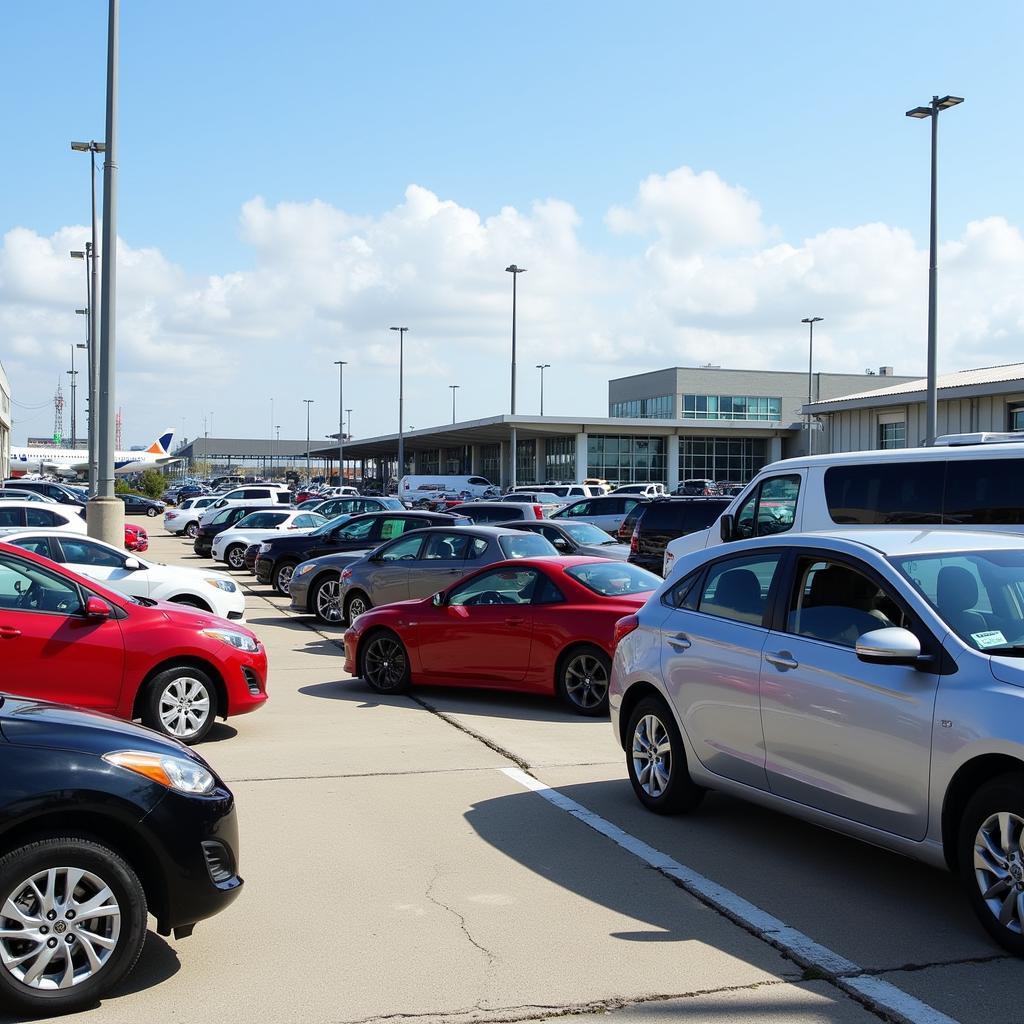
845 974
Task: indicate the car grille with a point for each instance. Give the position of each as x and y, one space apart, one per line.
235 615
219 861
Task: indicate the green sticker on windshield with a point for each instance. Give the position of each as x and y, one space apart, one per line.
988 638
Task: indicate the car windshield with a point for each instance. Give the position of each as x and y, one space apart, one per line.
978 594
391 503
584 533
525 545
321 531
261 520
614 579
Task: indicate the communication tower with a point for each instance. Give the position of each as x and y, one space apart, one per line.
58 416
117 431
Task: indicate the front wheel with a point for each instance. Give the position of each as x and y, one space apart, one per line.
182 703
357 604
235 556
192 531
151 512
283 577
385 663
656 760
583 676
991 859
326 600
72 924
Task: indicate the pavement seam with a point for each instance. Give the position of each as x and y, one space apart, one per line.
910 968
491 958
361 775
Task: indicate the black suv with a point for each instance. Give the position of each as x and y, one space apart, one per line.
278 557
663 520
221 520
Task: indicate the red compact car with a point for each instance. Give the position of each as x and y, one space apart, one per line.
67 639
135 537
540 625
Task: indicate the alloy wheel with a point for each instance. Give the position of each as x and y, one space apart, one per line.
357 606
328 601
999 868
58 928
652 755
192 530
184 707
236 557
384 663
586 681
284 578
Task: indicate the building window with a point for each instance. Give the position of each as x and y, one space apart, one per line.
732 407
625 459
892 435
526 462
660 408
490 462
456 461
1016 414
560 459
723 459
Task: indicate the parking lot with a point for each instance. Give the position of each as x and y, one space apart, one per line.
399 863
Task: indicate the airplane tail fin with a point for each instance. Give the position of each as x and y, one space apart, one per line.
162 445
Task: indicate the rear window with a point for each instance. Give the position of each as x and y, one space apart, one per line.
525 545
491 513
984 492
682 516
888 493
614 579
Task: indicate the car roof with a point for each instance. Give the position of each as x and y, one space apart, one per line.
478 531
890 541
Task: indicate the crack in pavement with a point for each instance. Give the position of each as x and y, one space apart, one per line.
491 958
910 968
358 775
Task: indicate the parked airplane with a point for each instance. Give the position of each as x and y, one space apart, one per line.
73 461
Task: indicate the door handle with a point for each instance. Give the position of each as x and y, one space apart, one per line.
783 660
9 632
454 572
514 622
679 642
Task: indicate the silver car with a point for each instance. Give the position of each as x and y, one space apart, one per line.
606 512
874 686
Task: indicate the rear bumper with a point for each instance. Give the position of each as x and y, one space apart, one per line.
202 546
263 569
652 563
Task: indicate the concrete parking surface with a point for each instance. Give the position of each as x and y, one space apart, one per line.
395 869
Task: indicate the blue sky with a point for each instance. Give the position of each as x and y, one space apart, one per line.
799 104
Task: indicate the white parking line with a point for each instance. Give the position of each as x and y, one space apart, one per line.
847 975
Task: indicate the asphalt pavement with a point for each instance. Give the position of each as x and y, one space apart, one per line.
459 855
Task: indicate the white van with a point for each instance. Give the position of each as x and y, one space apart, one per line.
254 494
567 491
966 480
412 488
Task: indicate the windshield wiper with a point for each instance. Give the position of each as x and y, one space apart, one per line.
1013 650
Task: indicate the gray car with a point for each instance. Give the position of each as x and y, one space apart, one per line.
571 538
606 512
874 686
338 588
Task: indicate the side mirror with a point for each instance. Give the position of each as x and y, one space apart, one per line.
727 526
438 599
892 645
561 544
97 608
132 563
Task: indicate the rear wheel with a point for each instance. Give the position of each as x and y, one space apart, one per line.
283 577
235 556
357 604
72 924
181 702
583 675
385 663
192 530
151 512
325 600
656 760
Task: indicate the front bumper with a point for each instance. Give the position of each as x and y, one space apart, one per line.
264 568
298 591
202 546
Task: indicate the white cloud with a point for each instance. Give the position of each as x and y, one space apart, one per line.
709 283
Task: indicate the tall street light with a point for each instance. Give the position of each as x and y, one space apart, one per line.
401 400
454 388
88 256
542 367
348 414
932 399
515 272
341 364
810 321
309 402
73 374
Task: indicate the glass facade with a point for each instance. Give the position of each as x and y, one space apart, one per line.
735 460
661 408
892 435
490 462
429 461
560 458
456 461
1016 415
526 462
731 407
625 459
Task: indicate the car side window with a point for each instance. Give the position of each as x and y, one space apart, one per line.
37 545
545 592
769 508
27 587
403 550
837 604
628 504
581 508
737 588
684 594
446 547
306 520
501 586
84 552
477 546
42 517
10 517
357 531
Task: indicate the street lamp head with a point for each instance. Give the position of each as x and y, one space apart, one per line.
81 344
341 362
812 319
543 366
948 101
920 112
77 254
399 328
82 312
513 269
89 147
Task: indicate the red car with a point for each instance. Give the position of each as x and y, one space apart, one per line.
135 537
67 639
540 625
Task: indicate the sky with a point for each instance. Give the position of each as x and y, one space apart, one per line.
684 183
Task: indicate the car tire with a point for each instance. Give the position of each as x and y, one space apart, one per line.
152 512
235 556
656 760
24 877
192 531
582 678
990 854
282 577
181 702
384 662
356 604
325 600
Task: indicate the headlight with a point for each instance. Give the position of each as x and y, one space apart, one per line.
264 548
304 568
240 641
173 772
346 575
227 586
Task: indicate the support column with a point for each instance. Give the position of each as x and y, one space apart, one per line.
540 473
581 456
774 449
672 462
475 466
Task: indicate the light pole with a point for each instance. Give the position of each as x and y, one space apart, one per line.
309 402
932 399
454 388
401 399
278 446
810 321
515 272
348 413
73 374
542 367
341 364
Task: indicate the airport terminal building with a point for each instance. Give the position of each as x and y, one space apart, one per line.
5 425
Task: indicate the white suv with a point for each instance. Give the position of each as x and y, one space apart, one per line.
254 494
185 518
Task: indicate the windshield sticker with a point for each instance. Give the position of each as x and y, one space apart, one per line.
988 638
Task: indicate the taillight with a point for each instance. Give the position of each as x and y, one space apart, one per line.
634 542
538 511
623 627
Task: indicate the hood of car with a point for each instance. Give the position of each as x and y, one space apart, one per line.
292 540
620 552
1008 670
343 558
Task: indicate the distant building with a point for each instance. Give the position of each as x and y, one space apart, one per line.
5 425
987 399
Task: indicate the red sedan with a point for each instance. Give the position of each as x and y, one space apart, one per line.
67 639
135 537
540 625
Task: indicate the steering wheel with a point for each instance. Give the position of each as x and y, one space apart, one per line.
490 597
29 598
